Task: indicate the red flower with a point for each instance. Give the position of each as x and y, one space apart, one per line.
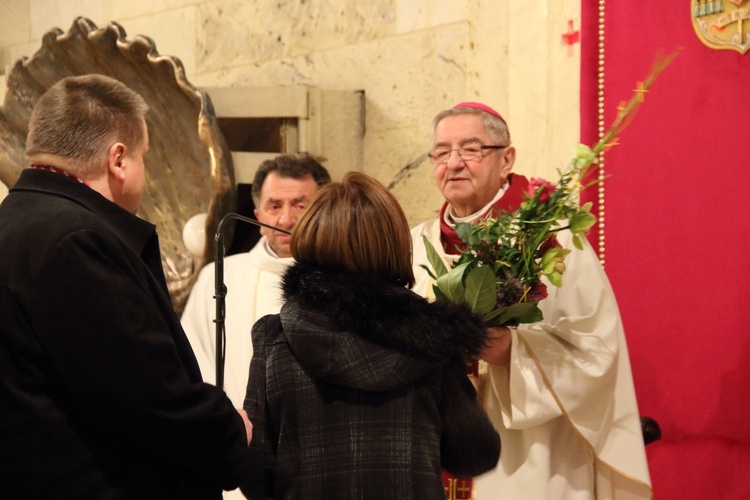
537 293
547 188
549 244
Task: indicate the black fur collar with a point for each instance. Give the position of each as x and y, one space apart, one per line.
387 314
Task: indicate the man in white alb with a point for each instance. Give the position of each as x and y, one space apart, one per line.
560 392
282 189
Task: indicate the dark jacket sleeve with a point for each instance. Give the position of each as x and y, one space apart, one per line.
259 480
101 318
470 445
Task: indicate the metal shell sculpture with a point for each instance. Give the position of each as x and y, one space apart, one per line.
189 166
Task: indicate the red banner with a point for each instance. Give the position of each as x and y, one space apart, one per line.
675 231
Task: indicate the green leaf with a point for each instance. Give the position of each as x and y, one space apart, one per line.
469 234
583 156
552 265
548 266
490 317
582 222
555 278
577 242
522 312
451 284
480 289
439 295
434 259
429 271
531 314
551 257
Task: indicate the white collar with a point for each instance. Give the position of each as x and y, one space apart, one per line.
451 219
268 248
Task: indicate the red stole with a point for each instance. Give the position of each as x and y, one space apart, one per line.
462 488
508 202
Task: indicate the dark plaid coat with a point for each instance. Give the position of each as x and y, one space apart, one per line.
358 389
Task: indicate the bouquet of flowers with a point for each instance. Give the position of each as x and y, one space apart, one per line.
499 274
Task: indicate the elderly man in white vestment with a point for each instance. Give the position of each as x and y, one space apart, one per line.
560 392
282 189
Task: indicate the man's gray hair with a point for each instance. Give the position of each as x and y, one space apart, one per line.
496 127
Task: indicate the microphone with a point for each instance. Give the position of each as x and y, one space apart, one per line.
220 288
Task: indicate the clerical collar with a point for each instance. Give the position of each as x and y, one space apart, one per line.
269 250
451 219
56 170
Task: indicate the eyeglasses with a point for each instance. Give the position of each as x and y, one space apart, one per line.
471 151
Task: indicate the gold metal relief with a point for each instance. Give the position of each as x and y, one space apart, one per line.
722 24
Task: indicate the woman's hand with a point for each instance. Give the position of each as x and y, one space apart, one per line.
248 425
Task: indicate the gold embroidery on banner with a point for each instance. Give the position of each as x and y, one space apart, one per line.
722 24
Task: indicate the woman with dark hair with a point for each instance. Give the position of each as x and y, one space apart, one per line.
358 389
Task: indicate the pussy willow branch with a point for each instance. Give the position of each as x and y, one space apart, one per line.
626 112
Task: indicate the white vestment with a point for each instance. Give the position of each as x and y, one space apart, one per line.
253 281
253 290
566 409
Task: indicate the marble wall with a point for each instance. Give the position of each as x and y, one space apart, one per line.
412 58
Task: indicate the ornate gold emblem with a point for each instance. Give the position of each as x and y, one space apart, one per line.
722 24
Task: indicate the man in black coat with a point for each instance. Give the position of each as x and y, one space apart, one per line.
100 393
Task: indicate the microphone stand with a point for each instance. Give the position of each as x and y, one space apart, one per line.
221 290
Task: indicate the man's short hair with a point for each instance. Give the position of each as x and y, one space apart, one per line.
496 127
356 226
79 117
289 166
